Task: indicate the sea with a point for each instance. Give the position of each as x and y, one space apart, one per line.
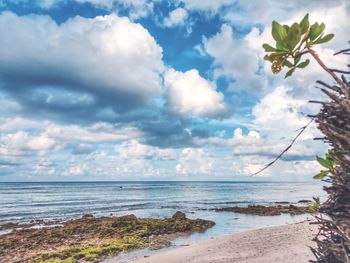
24 202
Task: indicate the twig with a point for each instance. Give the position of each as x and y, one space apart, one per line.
340 71
302 129
320 62
342 51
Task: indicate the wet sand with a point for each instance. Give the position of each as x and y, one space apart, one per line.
287 243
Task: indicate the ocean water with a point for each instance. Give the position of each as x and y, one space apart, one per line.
23 202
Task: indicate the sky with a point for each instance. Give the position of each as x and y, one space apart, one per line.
157 90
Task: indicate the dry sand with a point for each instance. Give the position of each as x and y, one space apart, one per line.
283 244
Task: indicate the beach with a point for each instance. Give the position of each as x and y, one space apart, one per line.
153 221
287 243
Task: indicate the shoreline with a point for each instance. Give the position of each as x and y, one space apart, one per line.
287 243
116 239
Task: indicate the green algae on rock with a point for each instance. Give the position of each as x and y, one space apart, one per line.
261 210
91 239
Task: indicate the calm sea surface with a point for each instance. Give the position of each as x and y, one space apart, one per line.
22 202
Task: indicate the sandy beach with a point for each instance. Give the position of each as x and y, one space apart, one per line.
287 244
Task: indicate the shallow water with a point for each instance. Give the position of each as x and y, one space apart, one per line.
23 202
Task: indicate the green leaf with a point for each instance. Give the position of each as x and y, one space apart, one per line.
268 58
324 39
322 28
325 163
277 55
304 24
321 175
288 64
294 36
269 48
330 155
279 33
281 46
304 64
289 73
297 58
317 200
286 28
316 30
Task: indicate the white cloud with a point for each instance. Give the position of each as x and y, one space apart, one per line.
47 3
136 8
134 149
177 17
235 59
106 56
96 133
22 143
279 111
75 170
40 143
256 11
238 138
303 81
275 122
113 166
19 123
194 162
25 137
190 94
208 6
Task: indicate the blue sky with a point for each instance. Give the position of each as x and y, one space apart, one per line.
155 90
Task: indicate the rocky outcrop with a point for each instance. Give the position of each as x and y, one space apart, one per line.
268 210
92 238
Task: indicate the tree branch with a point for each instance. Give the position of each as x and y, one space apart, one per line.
302 129
320 62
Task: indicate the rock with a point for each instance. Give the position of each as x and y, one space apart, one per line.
106 236
282 203
124 221
130 217
88 216
267 210
304 201
179 216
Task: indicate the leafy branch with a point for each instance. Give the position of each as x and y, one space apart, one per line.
292 42
328 162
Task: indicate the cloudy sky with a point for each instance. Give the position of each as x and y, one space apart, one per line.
156 90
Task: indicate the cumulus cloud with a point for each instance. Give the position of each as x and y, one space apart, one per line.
135 8
22 143
106 61
86 98
264 12
238 138
177 17
190 94
96 133
208 6
234 59
19 123
75 170
275 122
194 162
134 149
